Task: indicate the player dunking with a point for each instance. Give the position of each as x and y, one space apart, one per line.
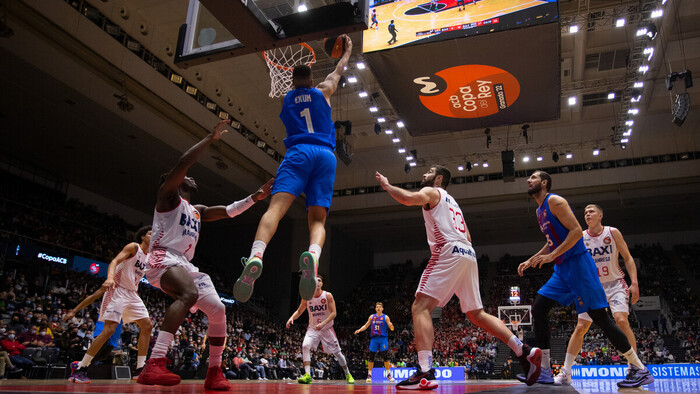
121 301
574 279
308 166
379 343
375 22
605 244
452 269
176 226
322 311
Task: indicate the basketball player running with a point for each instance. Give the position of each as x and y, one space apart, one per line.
574 279
379 343
176 226
605 244
375 22
309 167
452 269
121 301
392 31
322 311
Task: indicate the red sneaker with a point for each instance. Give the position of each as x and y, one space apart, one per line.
215 380
156 372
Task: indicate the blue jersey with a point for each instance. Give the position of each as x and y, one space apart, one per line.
307 117
378 326
114 339
556 232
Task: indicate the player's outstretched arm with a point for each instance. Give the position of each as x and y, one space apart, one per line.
629 263
87 301
369 321
168 195
426 195
126 253
210 214
561 210
330 84
296 313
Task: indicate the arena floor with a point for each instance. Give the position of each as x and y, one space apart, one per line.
474 386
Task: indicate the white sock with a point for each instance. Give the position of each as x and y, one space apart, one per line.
307 369
160 349
425 359
87 359
140 361
632 358
515 344
315 250
215 355
545 359
258 249
569 362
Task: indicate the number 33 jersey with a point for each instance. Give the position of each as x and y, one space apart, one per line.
604 252
445 222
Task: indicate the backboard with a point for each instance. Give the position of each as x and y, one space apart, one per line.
220 29
514 316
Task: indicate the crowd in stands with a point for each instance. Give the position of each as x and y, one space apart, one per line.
35 297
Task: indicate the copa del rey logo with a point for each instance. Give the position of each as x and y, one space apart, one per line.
468 91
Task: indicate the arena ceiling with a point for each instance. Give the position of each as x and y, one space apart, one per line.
59 114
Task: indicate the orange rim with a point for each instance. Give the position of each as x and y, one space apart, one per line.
287 68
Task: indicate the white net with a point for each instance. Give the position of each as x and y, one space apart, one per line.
281 62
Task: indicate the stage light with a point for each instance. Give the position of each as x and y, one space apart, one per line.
388 131
460 168
409 157
526 159
639 84
475 164
620 22
396 140
399 124
611 95
540 158
572 100
624 140
633 111
360 65
302 8
627 133
649 51
486 164
643 69
352 79
596 151
569 155
381 120
402 150
363 94
629 122
573 29
373 109
413 164
657 14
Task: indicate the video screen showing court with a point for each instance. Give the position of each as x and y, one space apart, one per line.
395 23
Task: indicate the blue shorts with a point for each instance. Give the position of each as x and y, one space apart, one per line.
378 344
309 169
576 280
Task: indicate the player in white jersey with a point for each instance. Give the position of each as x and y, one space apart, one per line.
452 269
121 301
605 244
176 225
322 311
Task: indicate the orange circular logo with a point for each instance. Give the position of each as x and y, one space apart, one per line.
468 91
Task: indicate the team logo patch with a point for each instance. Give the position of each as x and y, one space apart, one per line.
607 240
195 213
323 301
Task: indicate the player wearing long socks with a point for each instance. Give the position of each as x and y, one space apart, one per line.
452 269
574 279
321 308
176 226
605 244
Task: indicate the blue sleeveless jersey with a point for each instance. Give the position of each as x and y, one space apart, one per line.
556 232
307 117
378 326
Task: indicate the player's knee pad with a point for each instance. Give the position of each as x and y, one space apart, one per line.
341 359
215 310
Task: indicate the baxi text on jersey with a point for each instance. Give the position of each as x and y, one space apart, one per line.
318 308
303 98
600 251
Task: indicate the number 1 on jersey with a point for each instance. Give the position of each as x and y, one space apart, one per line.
306 114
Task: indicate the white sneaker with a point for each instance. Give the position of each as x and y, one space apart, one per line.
369 379
389 377
562 377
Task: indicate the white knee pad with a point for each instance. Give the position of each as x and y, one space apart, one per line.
306 351
341 359
215 310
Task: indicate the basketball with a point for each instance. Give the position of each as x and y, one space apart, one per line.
334 46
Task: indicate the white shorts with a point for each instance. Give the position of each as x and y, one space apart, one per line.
326 336
119 303
617 295
452 271
161 262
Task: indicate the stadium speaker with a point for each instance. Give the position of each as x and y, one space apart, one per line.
344 151
681 108
508 159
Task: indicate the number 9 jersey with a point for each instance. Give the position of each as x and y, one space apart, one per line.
307 117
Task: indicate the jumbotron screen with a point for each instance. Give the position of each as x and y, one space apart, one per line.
395 23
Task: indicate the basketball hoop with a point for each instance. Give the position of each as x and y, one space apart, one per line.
281 62
514 324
